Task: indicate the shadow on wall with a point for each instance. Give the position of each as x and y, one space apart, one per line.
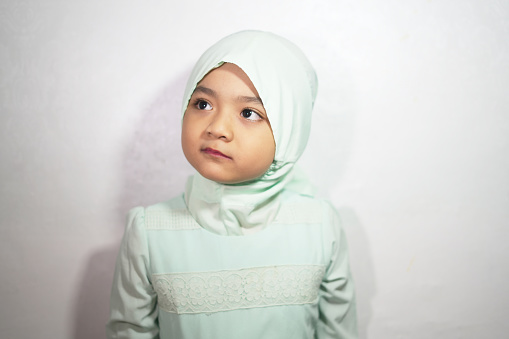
154 169
332 139
361 261
92 305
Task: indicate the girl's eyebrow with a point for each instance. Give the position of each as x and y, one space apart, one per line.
247 99
205 90
241 98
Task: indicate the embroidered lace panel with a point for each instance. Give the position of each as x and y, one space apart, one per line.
169 219
209 292
161 217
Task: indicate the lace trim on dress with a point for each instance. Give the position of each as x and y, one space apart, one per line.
164 217
210 292
169 219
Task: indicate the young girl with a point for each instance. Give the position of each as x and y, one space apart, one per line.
246 251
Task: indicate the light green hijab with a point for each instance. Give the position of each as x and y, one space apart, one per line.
287 85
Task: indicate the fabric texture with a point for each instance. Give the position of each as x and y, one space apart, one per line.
246 288
287 85
288 281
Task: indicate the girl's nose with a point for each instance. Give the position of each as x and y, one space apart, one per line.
220 126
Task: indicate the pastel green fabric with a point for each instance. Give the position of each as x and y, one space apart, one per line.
287 85
175 279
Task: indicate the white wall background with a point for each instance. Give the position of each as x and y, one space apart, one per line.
410 141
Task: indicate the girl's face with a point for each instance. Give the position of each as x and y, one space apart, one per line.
226 135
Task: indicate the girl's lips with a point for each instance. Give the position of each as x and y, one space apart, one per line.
215 153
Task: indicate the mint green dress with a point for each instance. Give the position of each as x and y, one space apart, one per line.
261 259
175 279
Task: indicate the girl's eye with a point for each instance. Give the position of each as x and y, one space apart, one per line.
249 114
203 105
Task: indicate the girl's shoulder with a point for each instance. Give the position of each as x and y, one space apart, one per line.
171 214
175 203
306 208
291 197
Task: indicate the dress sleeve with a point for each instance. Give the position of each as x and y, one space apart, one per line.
133 303
336 306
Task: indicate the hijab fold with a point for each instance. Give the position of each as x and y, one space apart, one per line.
287 85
